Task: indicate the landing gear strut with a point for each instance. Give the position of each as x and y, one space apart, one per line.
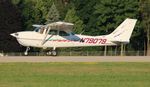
26 52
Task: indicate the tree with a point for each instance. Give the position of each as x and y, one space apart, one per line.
73 18
10 22
15 2
27 8
34 12
145 12
84 10
53 15
110 13
65 1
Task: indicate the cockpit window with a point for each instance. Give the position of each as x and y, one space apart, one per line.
53 32
63 33
39 29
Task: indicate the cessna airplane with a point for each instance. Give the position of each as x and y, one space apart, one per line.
59 34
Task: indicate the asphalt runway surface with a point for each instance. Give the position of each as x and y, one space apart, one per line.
6 59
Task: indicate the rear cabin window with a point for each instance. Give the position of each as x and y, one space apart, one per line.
63 33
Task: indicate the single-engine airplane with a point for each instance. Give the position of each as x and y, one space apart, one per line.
59 34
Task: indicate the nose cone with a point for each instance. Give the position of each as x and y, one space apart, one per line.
14 34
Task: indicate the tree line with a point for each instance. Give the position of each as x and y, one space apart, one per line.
91 17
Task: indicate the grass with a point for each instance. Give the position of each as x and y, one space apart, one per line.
74 74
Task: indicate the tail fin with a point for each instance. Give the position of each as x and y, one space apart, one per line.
123 32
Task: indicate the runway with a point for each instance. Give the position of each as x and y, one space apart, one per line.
74 59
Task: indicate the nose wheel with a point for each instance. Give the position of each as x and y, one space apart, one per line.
26 52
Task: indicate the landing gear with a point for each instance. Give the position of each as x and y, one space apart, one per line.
52 52
26 52
49 53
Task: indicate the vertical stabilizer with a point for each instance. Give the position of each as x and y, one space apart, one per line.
123 32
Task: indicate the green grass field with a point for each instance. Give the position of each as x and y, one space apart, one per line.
74 74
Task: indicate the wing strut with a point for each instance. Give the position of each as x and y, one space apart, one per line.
44 39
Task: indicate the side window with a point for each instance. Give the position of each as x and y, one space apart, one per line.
72 33
53 32
63 33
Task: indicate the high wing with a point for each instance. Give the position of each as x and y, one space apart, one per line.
62 26
37 26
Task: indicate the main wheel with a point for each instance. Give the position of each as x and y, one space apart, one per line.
49 53
54 53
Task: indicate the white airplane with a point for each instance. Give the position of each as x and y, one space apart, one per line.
59 34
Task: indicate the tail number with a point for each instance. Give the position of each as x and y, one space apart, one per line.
95 40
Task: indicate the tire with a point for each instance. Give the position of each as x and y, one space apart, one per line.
49 53
54 53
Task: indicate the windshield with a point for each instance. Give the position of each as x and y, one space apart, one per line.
39 29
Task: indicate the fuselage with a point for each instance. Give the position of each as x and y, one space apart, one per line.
36 39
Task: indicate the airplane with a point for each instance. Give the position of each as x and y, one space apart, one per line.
59 34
